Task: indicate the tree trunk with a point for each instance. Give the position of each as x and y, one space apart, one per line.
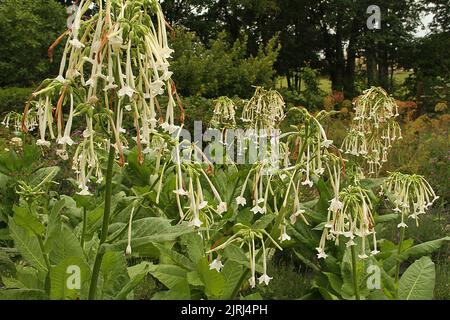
383 68
338 84
372 74
288 79
350 68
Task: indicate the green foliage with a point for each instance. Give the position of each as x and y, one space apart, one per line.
13 99
220 69
417 283
27 29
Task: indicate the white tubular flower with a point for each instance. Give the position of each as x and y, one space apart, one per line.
321 253
66 139
284 236
76 44
216 264
195 222
127 91
252 281
130 222
84 191
335 205
264 278
241 201
257 209
181 192
221 208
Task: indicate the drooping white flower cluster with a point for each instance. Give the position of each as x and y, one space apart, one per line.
224 114
350 216
264 111
373 129
411 195
123 50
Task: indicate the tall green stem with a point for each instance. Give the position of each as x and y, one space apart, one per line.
83 232
355 274
104 231
399 250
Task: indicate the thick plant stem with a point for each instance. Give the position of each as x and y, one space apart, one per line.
104 231
355 274
399 250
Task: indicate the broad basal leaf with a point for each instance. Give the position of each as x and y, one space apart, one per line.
28 245
417 283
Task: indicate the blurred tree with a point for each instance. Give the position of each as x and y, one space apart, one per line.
27 29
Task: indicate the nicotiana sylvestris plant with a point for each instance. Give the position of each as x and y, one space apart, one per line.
373 129
123 51
114 66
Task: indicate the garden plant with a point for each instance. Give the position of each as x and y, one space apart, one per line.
131 203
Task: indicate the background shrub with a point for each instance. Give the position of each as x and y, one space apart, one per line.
220 68
13 99
27 30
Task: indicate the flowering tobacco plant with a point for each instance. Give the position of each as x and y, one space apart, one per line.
373 130
200 219
114 66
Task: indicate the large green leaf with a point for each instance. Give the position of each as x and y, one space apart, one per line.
22 294
417 283
423 249
42 174
136 273
175 257
335 281
65 245
28 245
27 220
29 277
213 280
194 246
70 279
113 274
232 273
169 275
179 291
54 225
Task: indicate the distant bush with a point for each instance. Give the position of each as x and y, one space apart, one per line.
220 69
13 99
27 29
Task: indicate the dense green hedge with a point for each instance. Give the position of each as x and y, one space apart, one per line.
13 99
